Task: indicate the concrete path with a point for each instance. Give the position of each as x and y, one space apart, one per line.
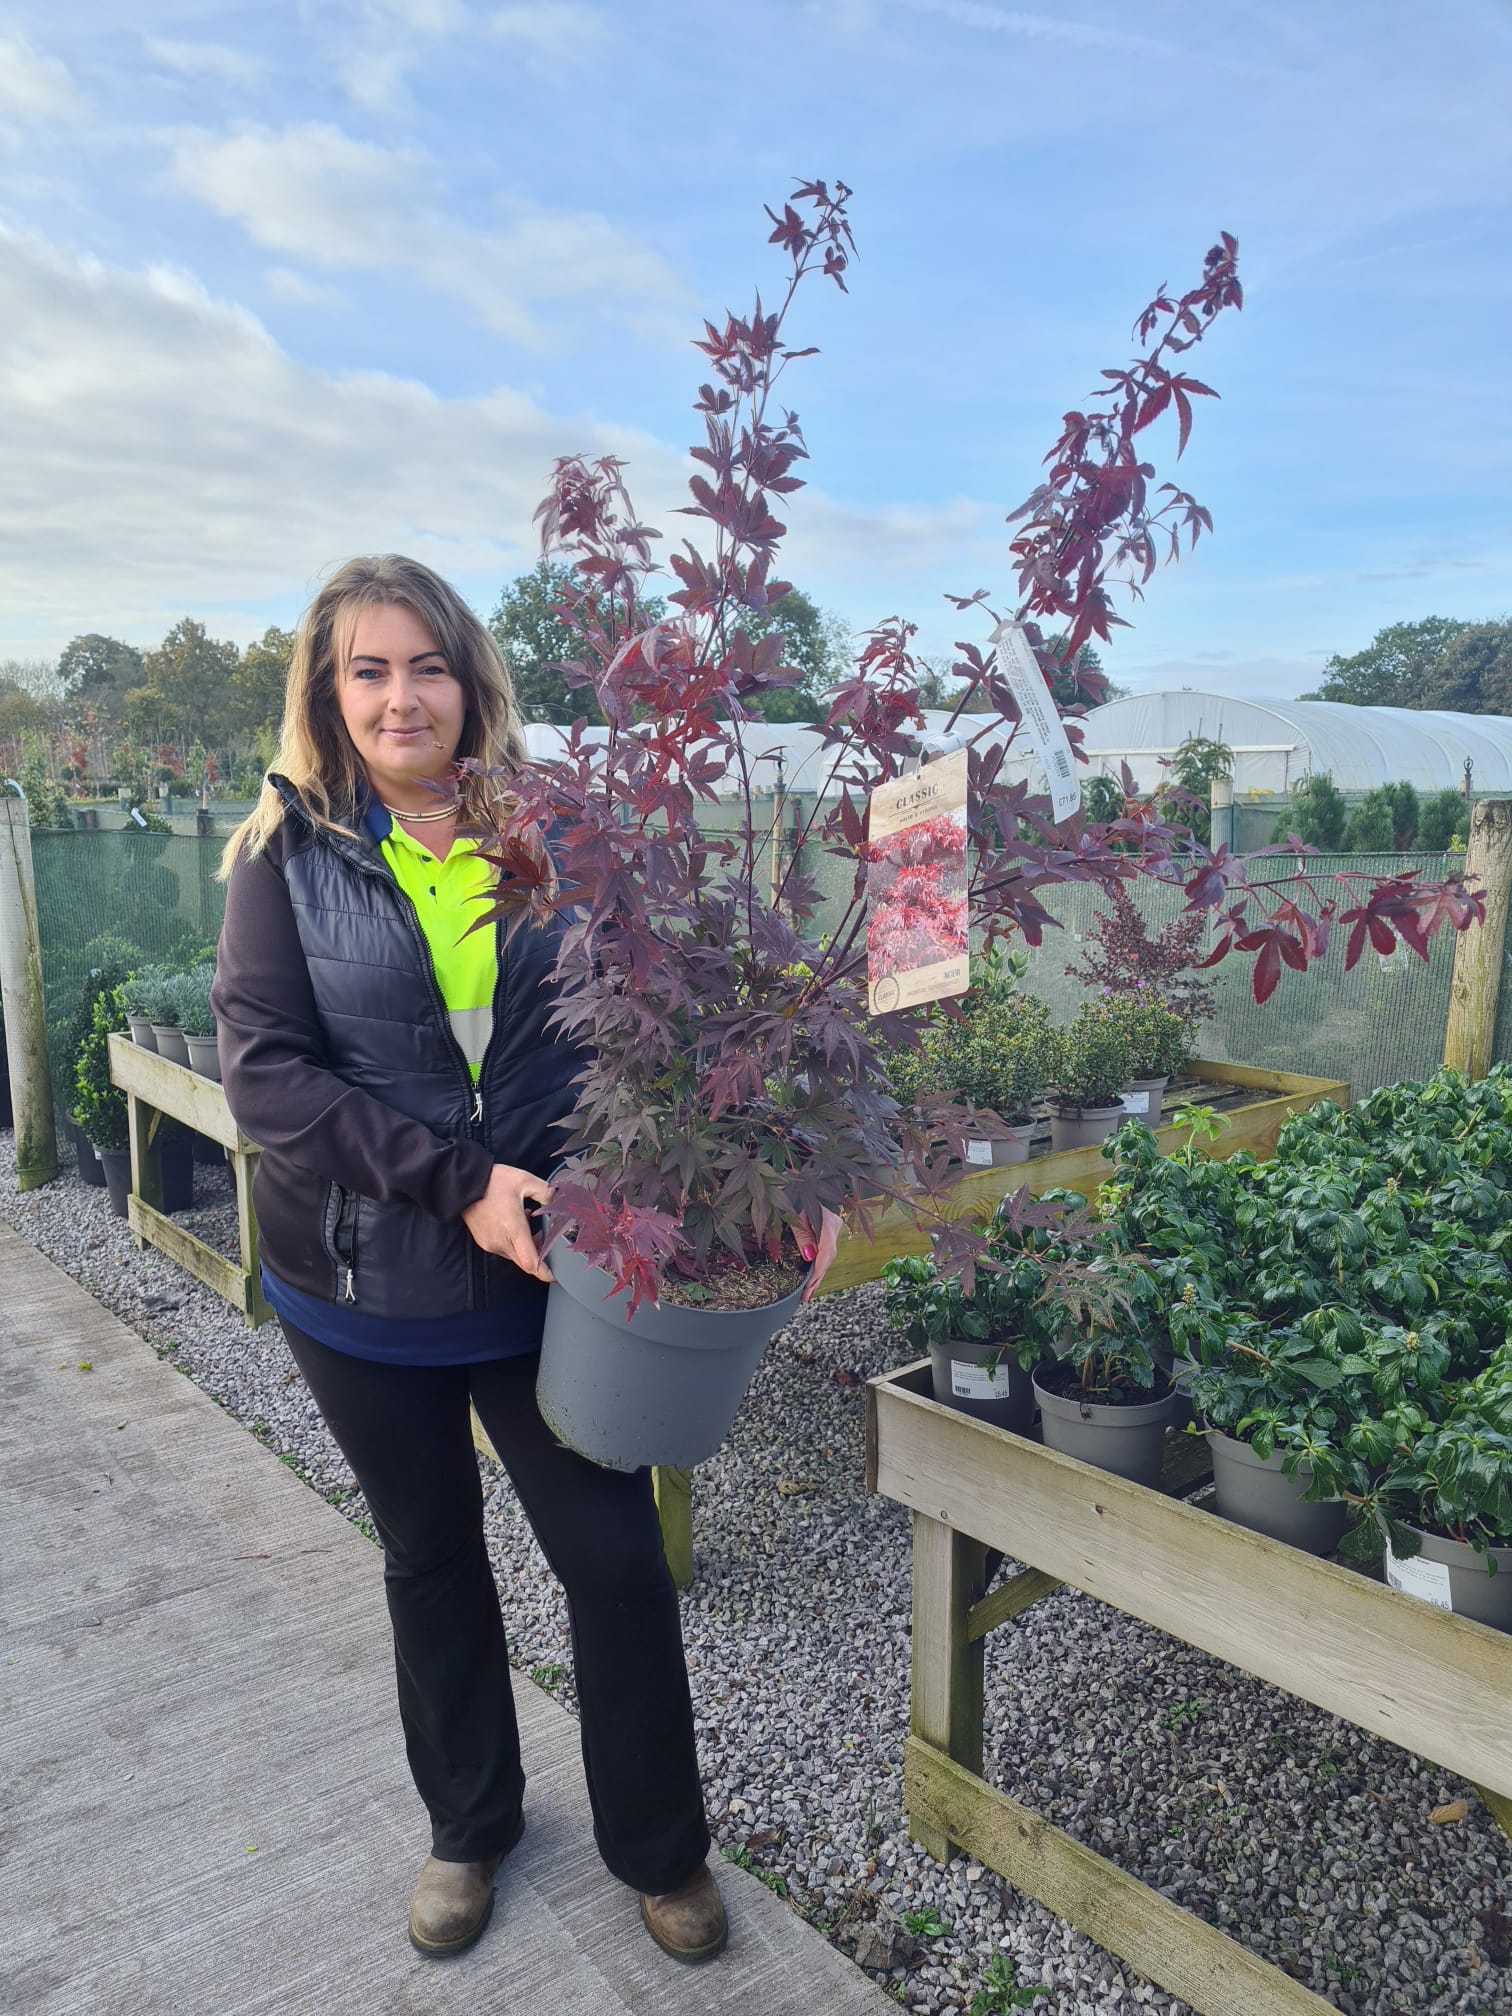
204 1806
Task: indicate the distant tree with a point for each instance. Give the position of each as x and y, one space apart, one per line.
1445 815
100 671
1102 798
1473 674
188 689
38 678
1372 827
816 643
1317 814
20 715
261 681
1404 813
1396 669
1194 767
534 640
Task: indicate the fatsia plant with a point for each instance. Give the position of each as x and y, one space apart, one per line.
736 1105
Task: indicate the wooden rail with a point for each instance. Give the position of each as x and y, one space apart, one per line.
154 1085
1438 1684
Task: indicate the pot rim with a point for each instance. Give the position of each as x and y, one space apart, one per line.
1463 1555
1135 1414
686 1328
1241 1452
1068 1111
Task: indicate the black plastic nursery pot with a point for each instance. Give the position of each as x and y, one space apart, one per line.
1257 1493
177 1164
116 1162
985 1381
1455 1577
90 1171
1126 1437
661 1387
1083 1126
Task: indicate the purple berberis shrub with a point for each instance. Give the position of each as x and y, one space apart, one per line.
737 1109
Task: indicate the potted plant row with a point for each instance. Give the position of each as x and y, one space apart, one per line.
734 1103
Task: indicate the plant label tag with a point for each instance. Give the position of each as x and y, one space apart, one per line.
975 1382
979 1154
1135 1102
1428 1580
917 944
1039 722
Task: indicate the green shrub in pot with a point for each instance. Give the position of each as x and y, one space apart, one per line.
190 996
1092 1064
1160 1041
148 993
99 1104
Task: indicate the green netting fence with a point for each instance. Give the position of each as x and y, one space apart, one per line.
152 896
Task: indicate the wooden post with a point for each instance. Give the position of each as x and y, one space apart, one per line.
22 1002
949 1576
1475 988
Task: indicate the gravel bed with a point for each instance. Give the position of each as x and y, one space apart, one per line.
1307 1839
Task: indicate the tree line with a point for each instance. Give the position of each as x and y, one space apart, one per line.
1440 662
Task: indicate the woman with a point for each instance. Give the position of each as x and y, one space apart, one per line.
404 1083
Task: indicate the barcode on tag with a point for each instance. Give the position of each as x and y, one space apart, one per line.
1062 763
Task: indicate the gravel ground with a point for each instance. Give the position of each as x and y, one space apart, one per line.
1307 1839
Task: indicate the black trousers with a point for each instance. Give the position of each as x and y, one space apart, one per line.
405 1431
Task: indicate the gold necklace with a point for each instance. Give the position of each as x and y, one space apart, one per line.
424 818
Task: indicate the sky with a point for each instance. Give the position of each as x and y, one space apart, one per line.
285 282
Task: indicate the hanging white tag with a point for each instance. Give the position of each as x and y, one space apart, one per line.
1428 1580
979 1154
1040 724
976 1382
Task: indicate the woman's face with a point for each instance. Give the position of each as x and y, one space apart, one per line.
402 704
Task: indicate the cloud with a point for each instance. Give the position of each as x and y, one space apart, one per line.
377 42
165 454
314 194
551 28
207 59
301 290
1088 36
34 89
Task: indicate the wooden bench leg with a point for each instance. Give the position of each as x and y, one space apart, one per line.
144 1125
674 1506
1499 1806
243 1168
949 1576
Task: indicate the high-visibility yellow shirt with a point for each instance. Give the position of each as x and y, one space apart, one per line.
446 898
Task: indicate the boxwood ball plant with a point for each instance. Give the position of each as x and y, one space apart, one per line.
738 1106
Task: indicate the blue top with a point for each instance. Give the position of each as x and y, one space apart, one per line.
467 1339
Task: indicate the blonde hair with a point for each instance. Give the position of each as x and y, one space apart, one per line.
316 754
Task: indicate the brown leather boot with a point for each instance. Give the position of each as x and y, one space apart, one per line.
453 1902
689 1923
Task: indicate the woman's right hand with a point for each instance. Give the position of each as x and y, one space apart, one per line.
497 1219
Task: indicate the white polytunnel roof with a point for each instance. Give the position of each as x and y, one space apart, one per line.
1278 742
1275 743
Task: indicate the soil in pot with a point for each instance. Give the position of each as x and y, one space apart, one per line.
1454 1577
660 1387
1083 1126
1261 1496
1003 1396
1124 1433
142 1032
116 1162
171 1044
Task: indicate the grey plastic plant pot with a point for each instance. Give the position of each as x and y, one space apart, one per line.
984 1154
142 1032
662 1387
1129 1441
116 1162
204 1056
1150 1091
1006 1399
1261 1496
1083 1126
171 1044
1464 1576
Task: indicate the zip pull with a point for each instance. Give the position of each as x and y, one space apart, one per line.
351 1292
477 1107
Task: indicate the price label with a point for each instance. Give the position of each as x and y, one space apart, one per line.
1040 724
969 1381
979 1154
1135 1102
1427 1580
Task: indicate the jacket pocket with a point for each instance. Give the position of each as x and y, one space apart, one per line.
339 1237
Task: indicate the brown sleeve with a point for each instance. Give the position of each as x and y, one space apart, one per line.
279 1086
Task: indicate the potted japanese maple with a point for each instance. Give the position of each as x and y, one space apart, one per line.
1105 1399
735 1104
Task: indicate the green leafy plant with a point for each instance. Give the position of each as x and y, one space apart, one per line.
1159 1040
189 995
925 1924
100 1106
1000 1991
1451 1477
148 992
1094 1063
